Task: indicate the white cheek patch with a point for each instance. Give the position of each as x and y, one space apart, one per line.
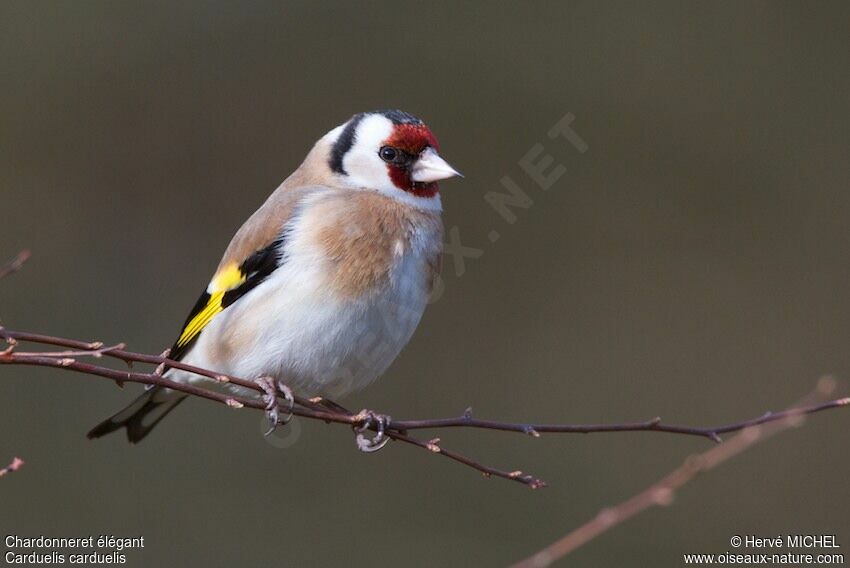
365 170
362 163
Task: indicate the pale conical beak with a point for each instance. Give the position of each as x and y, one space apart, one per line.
431 167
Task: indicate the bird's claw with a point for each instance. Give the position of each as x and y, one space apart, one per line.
271 389
365 421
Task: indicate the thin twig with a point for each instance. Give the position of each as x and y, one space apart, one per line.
304 407
15 465
15 264
5 270
398 430
654 425
663 491
434 446
96 353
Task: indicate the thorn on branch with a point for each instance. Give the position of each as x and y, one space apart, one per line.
531 432
14 466
11 342
160 369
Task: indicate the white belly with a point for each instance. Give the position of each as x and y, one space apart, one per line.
292 327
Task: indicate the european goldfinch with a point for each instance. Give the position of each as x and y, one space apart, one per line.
325 283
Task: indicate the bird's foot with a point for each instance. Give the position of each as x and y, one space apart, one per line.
271 390
366 419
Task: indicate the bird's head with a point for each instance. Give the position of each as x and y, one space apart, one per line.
389 151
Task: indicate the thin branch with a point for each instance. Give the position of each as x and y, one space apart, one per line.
5 270
654 425
15 264
663 491
15 465
305 408
398 430
434 446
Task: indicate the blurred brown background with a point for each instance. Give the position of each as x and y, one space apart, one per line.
693 264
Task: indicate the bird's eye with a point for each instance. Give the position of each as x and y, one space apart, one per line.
388 154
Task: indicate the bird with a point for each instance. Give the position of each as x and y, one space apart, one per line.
321 288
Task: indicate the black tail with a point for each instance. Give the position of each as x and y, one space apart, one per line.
140 416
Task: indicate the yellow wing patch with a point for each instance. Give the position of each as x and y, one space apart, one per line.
226 279
229 284
201 319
